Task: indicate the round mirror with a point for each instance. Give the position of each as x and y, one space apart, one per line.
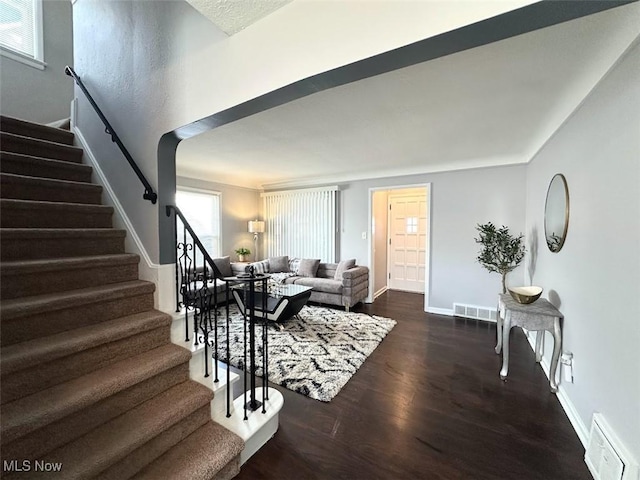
556 213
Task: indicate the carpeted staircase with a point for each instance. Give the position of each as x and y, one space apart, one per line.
89 377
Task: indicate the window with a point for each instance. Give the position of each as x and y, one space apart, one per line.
202 211
21 31
301 223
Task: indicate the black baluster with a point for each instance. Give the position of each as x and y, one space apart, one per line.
228 354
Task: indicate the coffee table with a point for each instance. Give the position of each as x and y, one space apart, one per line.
283 301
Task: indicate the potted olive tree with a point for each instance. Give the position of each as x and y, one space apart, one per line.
501 252
242 253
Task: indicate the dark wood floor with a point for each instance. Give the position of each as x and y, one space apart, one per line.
428 404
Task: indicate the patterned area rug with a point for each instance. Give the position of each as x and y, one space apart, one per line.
315 354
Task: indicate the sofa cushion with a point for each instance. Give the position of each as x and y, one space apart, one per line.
224 265
308 267
343 266
278 264
327 285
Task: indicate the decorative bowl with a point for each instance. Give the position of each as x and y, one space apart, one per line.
525 295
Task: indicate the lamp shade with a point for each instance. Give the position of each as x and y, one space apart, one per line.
256 226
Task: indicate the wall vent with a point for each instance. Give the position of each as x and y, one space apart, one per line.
474 311
606 457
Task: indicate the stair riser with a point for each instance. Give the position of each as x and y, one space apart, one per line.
50 217
42 132
35 167
28 191
153 449
25 382
38 443
39 283
39 248
37 148
17 330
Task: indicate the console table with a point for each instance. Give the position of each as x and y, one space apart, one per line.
538 316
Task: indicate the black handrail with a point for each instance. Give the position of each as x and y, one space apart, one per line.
149 194
216 271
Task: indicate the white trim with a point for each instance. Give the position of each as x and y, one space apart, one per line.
380 292
439 311
22 58
163 276
567 405
333 188
38 34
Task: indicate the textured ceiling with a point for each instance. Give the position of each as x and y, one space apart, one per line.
231 16
492 105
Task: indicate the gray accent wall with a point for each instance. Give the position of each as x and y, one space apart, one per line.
595 279
459 201
42 96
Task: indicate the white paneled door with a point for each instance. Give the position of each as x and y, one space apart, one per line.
407 242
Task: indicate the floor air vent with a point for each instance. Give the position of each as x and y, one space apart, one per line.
475 312
606 457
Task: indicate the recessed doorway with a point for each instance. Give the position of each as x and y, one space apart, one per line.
400 232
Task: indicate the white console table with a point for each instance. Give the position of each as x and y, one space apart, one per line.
539 316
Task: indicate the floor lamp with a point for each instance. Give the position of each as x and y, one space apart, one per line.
256 227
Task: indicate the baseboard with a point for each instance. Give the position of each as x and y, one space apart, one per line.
162 276
439 311
567 405
380 292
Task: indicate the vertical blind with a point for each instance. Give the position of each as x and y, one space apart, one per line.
301 223
21 26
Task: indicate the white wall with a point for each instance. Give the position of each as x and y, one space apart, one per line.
459 201
42 95
238 206
596 275
155 66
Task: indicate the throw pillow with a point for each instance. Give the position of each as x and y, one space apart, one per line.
294 264
224 265
308 267
261 267
279 264
343 266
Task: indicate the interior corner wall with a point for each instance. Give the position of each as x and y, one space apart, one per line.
380 227
596 276
459 201
238 206
42 96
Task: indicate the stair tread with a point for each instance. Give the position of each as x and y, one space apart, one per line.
101 448
49 182
29 413
40 350
20 307
15 267
60 233
41 204
8 123
198 457
45 161
46 143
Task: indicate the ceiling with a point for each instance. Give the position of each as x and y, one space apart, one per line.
231 16
492 105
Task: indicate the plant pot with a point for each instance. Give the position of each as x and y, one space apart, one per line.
241 258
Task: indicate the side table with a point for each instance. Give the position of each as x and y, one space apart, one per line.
539 316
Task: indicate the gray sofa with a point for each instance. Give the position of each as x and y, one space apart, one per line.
346 288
